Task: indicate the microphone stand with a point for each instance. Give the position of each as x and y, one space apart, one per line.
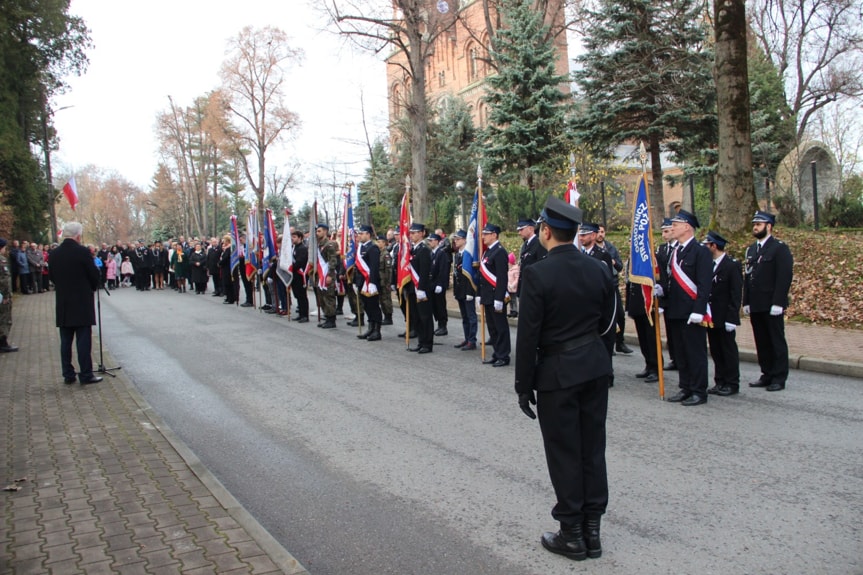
102 368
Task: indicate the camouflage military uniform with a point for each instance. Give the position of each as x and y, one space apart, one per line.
330 252
6 304
386 270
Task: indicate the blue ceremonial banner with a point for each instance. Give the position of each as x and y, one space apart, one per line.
641 260
473 242
348 236
235 244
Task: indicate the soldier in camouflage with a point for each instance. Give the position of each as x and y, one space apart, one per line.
386 270
5 300
327 297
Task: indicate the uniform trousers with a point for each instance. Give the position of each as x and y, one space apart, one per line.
468 319
439 308
647 342
770 345
327 300
386 300
83 336
671 353
302 297
572 422
498 329
371 305
726 358
690 341
424 323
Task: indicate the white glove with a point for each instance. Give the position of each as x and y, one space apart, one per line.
468 298
371 289
746 309
658 291
661 310
498 305
729 327
695 318
421 295
776 310
438 289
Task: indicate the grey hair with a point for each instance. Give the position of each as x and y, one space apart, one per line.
72 230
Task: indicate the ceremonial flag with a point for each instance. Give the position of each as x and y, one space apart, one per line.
317 264
642 265
252 262
347 234
403 266
235 244
473 243
285 270
572 195
70 190
269 244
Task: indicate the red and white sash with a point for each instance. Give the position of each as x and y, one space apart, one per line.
688 286
486 273
363 266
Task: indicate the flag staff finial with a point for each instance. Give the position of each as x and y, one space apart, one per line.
642 155
408 183
572 165
479 174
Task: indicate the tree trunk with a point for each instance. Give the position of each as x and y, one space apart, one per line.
418 113
735 193
657 200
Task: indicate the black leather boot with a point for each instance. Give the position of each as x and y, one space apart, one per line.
591 536
388 319
368 331
375 335
569 542
6 347
330 323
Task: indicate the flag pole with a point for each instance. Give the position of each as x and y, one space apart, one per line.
407 203
654 312
479 253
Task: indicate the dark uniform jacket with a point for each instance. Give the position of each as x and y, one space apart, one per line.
301 260
768 276
566 297
726 292
531 252
213 254
496 261
440 268
76 277
600 254
421 262
696 262
371 255
635 300
663 261
461 284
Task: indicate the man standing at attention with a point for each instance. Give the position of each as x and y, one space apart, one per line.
561 356
725 311
688 293
75 278
531 250
767 280
492 289
5 300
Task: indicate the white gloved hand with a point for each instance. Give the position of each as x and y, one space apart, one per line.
661 310
468 298
776 310
372 289
498 305
695 318
421 295
438 289
658 291
746 309
729 327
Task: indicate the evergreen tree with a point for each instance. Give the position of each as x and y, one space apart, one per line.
526 102
646 76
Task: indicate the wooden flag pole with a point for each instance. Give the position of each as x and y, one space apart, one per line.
401 255
479 223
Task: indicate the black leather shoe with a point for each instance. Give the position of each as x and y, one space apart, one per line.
416 348
247 304
441 331
643 374
413 334
672 366
567 543
500 363
651 378
459 345
776 386
353 323
694 400
89 380
760 383
468 347
623 348
489 361
726 390
69 380
424 350
388 320
679 396
303 320
226 302
714 390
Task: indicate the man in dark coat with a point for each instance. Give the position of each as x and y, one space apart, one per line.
725 295
298 276
688 293
463 291
663 262
646 332
421 272
493 269
440 269
367 279
587 234
214 252
531 251
567 304
769 271
75 277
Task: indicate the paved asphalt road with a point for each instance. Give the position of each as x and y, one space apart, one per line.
362 458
